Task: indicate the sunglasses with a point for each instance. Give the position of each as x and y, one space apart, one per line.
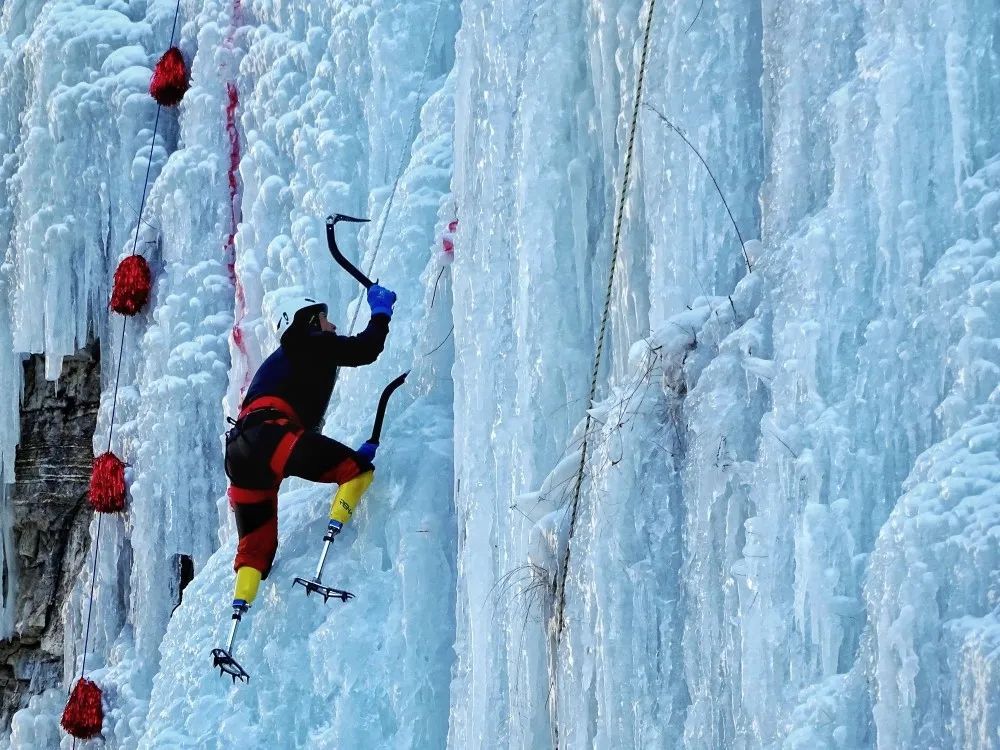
315 322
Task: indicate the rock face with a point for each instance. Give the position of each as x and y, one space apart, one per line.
51 515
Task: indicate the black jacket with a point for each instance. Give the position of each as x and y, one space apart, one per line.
304 368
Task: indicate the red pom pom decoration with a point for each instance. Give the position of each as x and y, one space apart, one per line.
107 484
170 79
133 280
448 241
84 715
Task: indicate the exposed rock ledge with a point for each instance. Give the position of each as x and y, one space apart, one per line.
50 519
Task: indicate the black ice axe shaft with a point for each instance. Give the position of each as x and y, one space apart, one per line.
383 402
331 241
333 528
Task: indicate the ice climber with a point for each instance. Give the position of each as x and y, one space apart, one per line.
277 433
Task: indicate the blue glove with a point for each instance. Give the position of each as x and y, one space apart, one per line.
381 300
367 451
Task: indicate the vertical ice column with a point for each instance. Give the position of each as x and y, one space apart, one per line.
181 367
531 215
704 77
808 51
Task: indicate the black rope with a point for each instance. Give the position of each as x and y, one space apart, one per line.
118 374
149 159
145 184
90 605
563 570
695 19
118 370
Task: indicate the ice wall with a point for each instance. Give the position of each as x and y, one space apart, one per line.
788 522
77 137
855 141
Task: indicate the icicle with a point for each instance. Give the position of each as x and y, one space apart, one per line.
107 484
170 79
83 716
132 283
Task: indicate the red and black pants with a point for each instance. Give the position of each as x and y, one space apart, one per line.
266 445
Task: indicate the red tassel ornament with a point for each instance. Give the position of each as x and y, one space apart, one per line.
84 715
133 280
107 484
448 241
447 254
170 79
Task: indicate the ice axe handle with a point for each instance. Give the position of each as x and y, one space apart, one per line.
383 401
331 241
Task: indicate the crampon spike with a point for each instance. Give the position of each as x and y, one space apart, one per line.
223 657
327 592
228 665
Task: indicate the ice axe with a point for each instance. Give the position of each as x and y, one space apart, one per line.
315 585
331 241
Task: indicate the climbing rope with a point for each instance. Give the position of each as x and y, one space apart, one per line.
403 150
560 587
118 370
561 573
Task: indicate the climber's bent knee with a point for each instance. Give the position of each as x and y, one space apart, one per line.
257 524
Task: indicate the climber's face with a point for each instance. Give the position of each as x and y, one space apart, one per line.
326 325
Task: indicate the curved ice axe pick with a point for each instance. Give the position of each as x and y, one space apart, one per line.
383 402
333 528
331 241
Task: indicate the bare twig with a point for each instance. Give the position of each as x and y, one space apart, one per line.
715 182
693 20
442 342
434 293
794 454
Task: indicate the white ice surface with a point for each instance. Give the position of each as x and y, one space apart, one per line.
788 528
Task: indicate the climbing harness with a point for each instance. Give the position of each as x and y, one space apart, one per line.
261 412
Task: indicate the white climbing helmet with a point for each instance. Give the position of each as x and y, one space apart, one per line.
292 308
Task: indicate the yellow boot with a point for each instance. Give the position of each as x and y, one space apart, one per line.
348 496
247 581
